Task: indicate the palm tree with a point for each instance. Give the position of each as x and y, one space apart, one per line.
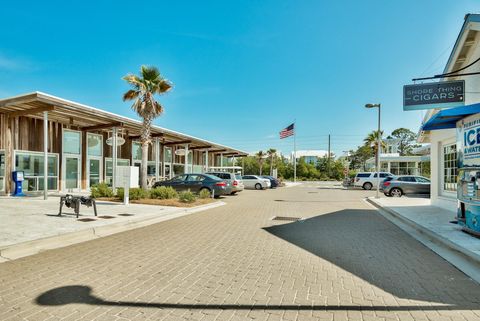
372 140
260 158
271 153
144 88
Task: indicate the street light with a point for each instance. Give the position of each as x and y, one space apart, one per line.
379 145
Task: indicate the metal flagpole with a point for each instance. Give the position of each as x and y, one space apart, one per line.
294 153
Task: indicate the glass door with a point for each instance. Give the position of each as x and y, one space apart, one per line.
94 171
71 172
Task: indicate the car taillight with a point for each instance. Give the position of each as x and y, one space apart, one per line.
386 183
221 184
235 183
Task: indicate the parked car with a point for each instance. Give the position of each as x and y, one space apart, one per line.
273 181
407 184
196 183
256 182
234 181
368 180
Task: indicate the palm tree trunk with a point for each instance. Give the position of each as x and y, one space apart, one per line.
261 167
271 165
145 140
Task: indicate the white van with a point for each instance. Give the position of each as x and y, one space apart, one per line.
368 180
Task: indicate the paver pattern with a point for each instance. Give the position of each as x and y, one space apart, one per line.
343 262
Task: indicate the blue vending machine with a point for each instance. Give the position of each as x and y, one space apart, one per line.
17 177
468 163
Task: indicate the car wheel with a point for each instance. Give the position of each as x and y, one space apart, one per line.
387 195
233 193
367 186
396 192
258 186
205 189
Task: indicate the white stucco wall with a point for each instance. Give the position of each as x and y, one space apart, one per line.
441 198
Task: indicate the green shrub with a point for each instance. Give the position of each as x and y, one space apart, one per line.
204 193
134 193
101 190
163 193
186 197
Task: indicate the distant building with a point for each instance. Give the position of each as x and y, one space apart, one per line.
310 156
392 162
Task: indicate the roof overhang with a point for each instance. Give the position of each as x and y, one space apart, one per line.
88 118
447 118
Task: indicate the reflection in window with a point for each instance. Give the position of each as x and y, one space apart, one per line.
94 144
71 142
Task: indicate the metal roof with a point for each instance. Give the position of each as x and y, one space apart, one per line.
85 117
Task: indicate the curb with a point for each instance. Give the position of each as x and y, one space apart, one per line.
19 250
465 260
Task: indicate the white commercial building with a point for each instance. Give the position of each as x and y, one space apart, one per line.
310 156
442 137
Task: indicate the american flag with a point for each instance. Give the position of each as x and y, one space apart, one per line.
288 131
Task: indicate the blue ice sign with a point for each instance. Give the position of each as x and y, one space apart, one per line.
468 136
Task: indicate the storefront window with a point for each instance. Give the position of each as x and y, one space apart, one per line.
32 165
168 155
450 167
94 144
71 142
136 151
109 168
404 168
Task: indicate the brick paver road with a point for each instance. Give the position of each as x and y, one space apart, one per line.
346 262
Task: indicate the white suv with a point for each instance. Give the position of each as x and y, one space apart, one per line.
368 180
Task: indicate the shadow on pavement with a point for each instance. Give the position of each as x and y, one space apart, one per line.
82 294
367 245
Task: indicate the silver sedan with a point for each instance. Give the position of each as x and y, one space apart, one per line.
407 184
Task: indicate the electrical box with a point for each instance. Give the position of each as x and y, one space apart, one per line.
127 176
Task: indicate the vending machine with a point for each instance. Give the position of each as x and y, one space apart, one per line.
468 163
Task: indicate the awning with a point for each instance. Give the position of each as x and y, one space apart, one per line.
447 118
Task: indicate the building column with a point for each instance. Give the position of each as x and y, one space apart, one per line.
388 164
114 156
163 162
221 159
45 155
185 169
206 161
9 161
157 159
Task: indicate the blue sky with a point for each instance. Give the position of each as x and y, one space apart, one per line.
242 70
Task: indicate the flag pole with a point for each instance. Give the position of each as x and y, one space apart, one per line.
294 153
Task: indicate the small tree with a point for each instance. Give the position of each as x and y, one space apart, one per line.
272 152
261 159
406 139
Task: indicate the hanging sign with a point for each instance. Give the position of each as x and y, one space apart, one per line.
120 141
443 94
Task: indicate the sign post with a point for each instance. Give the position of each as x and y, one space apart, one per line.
444 94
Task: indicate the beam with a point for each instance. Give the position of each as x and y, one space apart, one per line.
18 113
218 151
200 147
102 126
152 135
178 142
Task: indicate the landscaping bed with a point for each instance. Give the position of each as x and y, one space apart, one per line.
164 196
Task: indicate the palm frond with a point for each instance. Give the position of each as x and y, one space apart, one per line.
150 73
131 94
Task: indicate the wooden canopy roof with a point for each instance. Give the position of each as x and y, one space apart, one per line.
88 118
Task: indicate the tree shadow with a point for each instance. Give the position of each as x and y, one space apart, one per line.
367 245
83 294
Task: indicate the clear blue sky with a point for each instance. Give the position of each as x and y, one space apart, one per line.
242 70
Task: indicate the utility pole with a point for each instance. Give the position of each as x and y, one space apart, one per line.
328 157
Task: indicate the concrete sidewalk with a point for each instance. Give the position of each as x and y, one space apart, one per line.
30 225
436 230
